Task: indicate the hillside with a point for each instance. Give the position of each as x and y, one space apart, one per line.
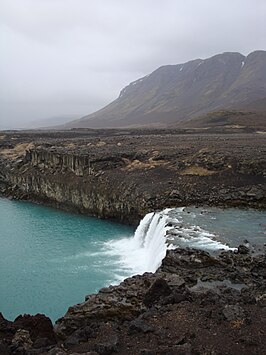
173 93
225 120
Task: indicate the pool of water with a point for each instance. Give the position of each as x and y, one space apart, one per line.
50 259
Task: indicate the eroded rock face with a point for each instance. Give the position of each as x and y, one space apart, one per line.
124 175
185 307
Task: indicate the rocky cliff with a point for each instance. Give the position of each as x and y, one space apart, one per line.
124 175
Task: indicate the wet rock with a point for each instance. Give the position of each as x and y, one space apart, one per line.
243 249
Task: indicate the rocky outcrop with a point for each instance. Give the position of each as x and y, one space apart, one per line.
26 333
124 175
194 303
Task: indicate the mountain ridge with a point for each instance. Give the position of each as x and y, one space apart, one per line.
180 92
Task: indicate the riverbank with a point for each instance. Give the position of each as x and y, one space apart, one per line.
193 304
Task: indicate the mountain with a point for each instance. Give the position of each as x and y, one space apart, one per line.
175 93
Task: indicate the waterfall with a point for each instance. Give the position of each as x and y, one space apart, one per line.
146 249
157 232
150 237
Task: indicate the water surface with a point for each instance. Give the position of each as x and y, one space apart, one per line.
50 259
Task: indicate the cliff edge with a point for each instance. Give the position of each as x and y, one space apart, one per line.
123 175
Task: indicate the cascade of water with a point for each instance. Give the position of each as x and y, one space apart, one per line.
142 229
149 236
146 250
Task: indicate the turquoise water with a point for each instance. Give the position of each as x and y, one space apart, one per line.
50 259
232 226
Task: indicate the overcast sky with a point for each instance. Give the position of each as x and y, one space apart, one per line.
72 57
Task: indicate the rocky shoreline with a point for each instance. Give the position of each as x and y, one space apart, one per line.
195 303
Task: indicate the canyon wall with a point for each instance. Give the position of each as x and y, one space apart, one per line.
123 177
67 181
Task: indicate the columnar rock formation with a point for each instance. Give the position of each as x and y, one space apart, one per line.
124 175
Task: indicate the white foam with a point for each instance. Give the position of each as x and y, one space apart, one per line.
144 252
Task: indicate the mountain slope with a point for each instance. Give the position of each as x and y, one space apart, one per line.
240 120
184 91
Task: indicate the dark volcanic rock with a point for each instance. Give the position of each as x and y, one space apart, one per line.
233 312
26 333
242 249
39 326
140 326
88 172
165 305
158 290
159 313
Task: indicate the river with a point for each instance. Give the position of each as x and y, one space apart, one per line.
49 259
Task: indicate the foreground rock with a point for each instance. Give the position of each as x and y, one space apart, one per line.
194 304
123 175
26 333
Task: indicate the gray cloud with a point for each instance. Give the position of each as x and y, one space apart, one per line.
74 56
